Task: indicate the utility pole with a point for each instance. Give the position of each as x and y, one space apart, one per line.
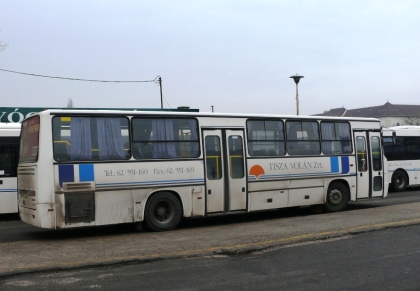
161 96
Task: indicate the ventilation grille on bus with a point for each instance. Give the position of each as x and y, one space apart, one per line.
82 186
80 207
26 171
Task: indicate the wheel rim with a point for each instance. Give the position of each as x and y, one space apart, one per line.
335 197
163 212
399 181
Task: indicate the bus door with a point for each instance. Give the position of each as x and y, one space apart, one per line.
370 170
224 170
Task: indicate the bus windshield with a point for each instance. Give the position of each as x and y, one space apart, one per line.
29 140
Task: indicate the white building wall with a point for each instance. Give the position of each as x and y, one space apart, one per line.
392 121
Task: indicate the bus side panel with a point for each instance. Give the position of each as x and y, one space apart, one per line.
261 185
59 210
268 195
121 190
352 185
114 207
124 206
198 201
306 192
26 188
139 201
268 200
8 195
28 215
9 148
45 213
42 216
304 179
386 177
192 200
185 179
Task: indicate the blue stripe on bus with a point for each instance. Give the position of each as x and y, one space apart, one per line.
86 173
8 190
162 182
294 176
65 174
345 165
335 167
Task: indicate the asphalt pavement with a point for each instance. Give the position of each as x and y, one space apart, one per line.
44 254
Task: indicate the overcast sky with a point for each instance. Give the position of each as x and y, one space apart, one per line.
234 55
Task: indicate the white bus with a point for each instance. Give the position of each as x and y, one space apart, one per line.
88 168
402 149
9 153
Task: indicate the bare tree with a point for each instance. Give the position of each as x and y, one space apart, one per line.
412 120
70 103
3 45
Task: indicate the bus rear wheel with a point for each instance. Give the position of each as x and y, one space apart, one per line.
399 181
163 212
337 197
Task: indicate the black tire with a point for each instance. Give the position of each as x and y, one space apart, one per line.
337 197
399 181
163 212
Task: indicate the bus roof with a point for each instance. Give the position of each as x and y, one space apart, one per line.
403 130
199 114
9 126
9 129
405 127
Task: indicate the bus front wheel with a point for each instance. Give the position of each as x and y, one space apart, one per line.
399 181
163 212
337 197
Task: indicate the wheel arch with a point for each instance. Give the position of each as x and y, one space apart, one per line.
342 181
337 196
163 210
399 187
402 170
159 191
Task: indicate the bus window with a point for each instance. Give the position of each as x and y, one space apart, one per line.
361 154
213 158
302 138
236 157
165 138
29 140
90 138
376 153
265 138
8 161
336 138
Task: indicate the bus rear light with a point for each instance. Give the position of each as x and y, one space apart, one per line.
31 193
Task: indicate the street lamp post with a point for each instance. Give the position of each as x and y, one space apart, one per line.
297 78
